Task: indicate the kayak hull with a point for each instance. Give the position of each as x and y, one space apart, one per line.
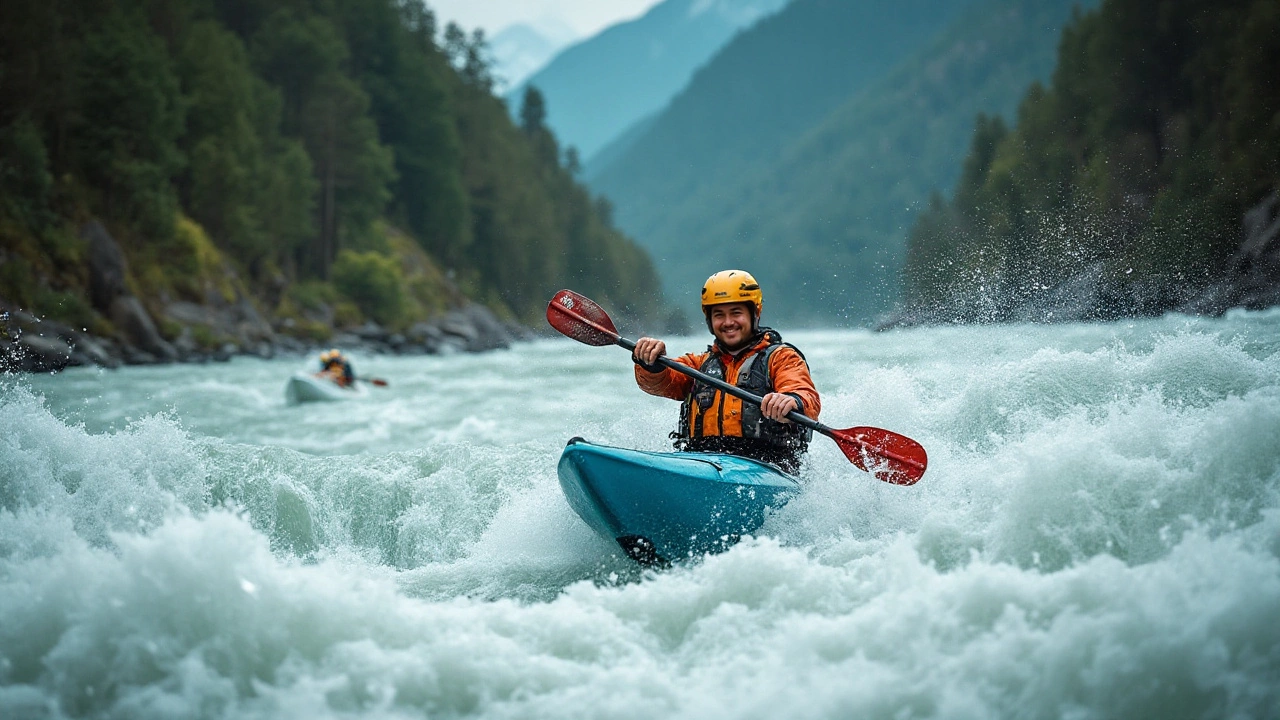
309 388
663 507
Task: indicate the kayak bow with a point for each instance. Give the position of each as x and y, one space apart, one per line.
304 387
661 507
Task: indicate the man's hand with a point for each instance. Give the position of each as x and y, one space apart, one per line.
648 350
775 406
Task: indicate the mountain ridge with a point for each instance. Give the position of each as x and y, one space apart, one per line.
805 202
597 88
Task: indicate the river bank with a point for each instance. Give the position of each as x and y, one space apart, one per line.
32 344
220 317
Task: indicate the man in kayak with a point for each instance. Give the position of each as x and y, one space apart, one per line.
745 354
335 367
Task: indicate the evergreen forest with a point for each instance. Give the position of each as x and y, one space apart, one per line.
296 152
1129 172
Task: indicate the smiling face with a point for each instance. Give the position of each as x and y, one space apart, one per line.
731 324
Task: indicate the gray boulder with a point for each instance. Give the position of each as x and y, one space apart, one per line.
86 350
426 336
40 345
371 331
109 294
1252 277
107 267
43 354
477 328
239 320
128 315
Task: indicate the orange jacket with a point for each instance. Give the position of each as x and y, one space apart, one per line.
787 371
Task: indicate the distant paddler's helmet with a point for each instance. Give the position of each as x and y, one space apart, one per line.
330 356
732 286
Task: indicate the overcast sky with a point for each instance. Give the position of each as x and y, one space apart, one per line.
585 17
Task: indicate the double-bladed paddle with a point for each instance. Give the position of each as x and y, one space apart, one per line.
887 455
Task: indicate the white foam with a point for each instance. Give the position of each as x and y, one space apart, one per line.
1098 536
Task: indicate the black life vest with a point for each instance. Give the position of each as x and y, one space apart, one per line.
753 377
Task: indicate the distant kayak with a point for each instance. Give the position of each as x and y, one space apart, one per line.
663 507
305 387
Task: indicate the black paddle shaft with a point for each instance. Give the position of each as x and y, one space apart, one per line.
733 390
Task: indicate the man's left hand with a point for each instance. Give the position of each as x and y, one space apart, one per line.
775 406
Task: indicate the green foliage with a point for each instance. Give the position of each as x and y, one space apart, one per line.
68 308
130 116
346 314
18 281
246 184
313 294
205 337
305 55
428 290
408 82
373 282
535 229
198 268
286 138
20 284
533 111
1142 155
25 181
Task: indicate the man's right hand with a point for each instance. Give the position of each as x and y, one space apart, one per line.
648 350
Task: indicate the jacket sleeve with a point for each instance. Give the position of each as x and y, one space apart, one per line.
668 383
790 376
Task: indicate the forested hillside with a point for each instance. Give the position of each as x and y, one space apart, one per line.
289 154
772 83
1124 185
843 194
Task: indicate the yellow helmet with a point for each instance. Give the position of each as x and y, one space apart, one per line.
330 355
731 286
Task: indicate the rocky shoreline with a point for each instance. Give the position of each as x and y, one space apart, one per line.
31 344
34 344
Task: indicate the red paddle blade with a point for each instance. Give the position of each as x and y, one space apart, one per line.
581 318
378 381
889 456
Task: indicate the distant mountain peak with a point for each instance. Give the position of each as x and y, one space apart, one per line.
598 88
522 48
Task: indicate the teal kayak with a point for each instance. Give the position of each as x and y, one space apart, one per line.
661 506
305 387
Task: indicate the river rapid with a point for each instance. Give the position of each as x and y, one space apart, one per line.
1097 536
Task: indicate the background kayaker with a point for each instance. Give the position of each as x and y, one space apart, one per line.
745 354
335 367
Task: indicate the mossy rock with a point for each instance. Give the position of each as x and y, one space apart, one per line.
187 265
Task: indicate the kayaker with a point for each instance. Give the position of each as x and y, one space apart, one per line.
335 367
745 354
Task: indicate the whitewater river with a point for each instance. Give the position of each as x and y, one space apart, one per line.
1098 536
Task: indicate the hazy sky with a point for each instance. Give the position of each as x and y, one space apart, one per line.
586 17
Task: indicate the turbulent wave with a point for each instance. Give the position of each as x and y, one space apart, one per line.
1098 536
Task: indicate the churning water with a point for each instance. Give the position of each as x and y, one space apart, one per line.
1098 536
